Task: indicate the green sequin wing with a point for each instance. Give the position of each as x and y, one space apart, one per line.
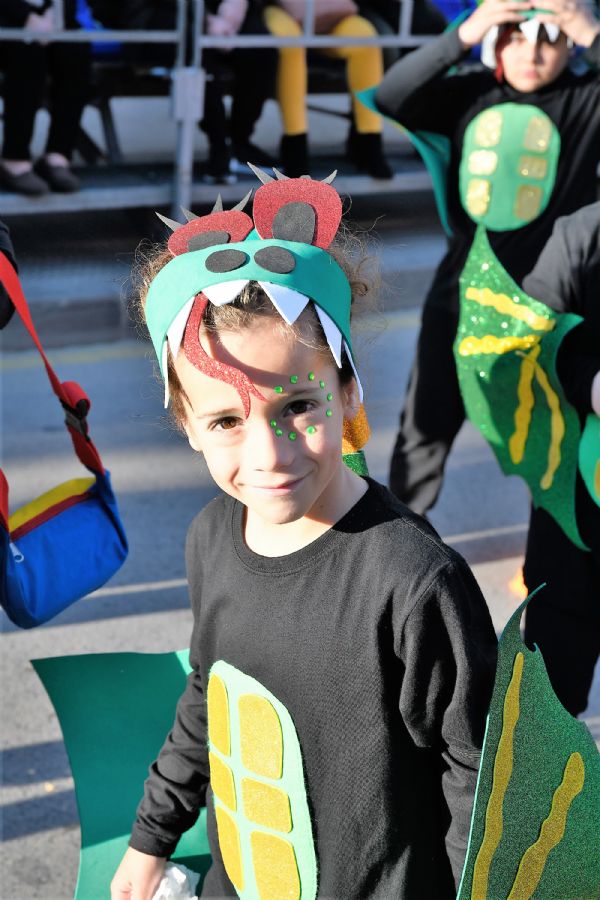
589 457
508 165
505 352
536 817
257 780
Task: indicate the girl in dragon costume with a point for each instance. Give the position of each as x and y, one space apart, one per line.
523 146
342 655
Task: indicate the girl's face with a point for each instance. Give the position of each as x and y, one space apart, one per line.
284 461
529 67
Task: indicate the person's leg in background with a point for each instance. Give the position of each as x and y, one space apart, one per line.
432 416
364 69
24 67
564 618
290 89
216 170
70 69
255 72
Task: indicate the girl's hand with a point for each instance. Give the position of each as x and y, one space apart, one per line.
137 877
217 26
234 11
488 14
574 17
596 393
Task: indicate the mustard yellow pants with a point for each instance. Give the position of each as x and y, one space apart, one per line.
364 69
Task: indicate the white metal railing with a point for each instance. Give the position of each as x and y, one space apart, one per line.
188 77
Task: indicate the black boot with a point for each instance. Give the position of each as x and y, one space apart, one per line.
293 151
366 152
216 169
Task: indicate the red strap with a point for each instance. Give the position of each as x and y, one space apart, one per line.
71 395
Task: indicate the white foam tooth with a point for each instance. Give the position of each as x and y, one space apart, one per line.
225 291
552 30
531 29
165 369
361 393
177 328
333 335
288 303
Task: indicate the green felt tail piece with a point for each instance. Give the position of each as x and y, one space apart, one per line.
536 818
434 150
505 350
115 710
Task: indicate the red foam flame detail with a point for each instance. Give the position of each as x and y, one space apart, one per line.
237 224
198 357
323 198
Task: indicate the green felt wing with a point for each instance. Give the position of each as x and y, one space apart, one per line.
505 352
434 150
115 710
536 818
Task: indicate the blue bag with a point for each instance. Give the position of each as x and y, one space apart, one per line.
69 541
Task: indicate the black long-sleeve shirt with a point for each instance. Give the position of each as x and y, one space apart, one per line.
418 93
377 640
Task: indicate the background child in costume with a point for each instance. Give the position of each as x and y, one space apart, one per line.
326 615
419 94
364 68
565 619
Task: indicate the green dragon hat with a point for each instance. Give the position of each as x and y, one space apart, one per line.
283 248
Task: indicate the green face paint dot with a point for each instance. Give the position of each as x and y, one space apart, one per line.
278 432
311 429
278 389
293 379
322 384
330 396
311 376
292 435
273 423
328 412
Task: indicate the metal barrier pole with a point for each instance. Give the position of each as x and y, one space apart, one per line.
309 18
59 14
188 105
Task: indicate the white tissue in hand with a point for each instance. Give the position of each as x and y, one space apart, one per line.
178 883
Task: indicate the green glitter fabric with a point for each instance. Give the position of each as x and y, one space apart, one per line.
508 165
356 462
114 710
513 394
589 456
315 275
530 744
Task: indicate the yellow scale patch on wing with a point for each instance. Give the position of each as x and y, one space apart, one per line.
221 781
478 197
503 766
229 842
218 715
534 859
538 134
261 740
471 346
503 304
518 440
489 128
275 867
528 201
266 805
557 428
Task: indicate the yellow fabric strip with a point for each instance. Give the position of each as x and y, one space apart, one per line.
51 498
504 305
503 765
552 830
518 440
557 428
470 346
